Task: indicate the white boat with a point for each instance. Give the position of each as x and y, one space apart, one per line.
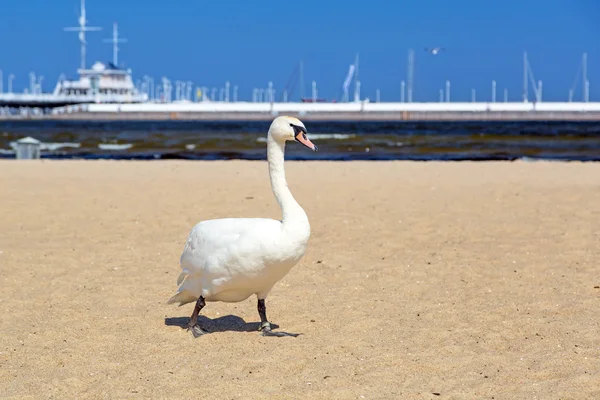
102 83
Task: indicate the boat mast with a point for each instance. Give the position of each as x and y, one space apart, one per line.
115 42
82 29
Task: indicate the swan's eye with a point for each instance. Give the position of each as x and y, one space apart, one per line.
297 129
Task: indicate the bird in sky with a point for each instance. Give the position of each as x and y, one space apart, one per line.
435 50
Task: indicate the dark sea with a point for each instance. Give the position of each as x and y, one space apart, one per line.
343 141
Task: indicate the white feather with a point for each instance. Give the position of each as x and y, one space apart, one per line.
231 259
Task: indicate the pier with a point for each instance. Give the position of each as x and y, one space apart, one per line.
352 111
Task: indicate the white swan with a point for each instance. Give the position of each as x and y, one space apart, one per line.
231 259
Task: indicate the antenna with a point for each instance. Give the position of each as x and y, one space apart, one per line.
115 41
82 29
411 73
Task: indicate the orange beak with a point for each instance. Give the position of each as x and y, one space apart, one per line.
301 137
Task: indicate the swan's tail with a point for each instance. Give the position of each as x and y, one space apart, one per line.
183 295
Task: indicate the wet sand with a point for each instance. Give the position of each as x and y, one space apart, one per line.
422 280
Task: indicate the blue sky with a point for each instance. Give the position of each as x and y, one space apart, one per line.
252 42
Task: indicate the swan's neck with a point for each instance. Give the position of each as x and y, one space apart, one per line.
293 215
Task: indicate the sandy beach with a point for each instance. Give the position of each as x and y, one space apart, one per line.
421 281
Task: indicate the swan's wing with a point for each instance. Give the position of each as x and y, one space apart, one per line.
211 240
215 250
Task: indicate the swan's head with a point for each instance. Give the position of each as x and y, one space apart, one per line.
290 128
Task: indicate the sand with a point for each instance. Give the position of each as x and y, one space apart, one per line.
421 281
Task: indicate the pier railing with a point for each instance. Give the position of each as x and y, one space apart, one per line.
353 107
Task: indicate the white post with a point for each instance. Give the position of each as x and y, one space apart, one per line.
301 80
587 91
356 81
493 91
227 91
525 84
39 85
32 82
11 77
167 89
402 86
285 96
447 91
1 81
314 91
472 95
584 77
539 92
411 68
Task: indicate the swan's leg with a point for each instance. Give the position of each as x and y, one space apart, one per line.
262 311
193 325
265 325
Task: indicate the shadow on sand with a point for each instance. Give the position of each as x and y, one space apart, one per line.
227 323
